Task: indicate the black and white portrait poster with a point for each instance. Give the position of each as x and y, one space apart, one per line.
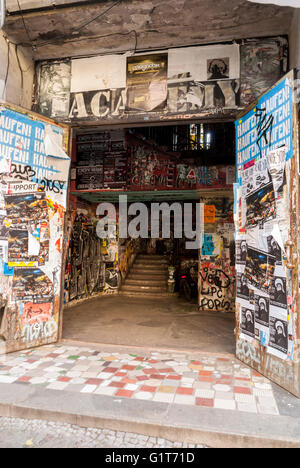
262 310
278 294
247 323
205 63
242 286
274 249
278 339
241 251
203 77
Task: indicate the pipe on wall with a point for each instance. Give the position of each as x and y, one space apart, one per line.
2 13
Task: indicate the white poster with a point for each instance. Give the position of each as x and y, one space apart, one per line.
98 73
205 63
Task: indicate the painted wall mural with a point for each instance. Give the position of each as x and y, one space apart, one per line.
210 81
34 172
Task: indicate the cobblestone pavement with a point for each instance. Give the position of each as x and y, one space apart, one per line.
21 433
206 380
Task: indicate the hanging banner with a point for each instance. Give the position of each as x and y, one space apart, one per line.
33 199
147 87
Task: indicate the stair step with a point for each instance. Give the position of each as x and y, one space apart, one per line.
144 282
146 277
153 257
146 295
161 264
144 289
144 266
149 273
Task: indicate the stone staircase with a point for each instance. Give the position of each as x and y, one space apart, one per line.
148 277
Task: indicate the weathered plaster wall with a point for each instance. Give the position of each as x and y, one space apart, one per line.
295 40
109 27
17 88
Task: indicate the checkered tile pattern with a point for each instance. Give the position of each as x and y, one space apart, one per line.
210 381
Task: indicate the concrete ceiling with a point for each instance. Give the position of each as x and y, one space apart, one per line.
149 24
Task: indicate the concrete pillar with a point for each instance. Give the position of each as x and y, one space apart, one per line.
16 87
294 37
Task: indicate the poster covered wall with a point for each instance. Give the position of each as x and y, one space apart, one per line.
265 312
208 81
34 171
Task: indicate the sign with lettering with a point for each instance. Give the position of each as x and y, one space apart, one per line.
267 126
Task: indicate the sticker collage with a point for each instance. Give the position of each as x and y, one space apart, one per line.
34 172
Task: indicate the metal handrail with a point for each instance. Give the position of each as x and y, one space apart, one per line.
2 13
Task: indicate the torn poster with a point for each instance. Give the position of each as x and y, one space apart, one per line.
98 73
255 175
203 77
276 161
33 196
36 313
54 143
211 245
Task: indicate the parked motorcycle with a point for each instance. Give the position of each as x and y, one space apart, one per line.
188 286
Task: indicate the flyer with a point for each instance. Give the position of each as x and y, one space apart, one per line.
147 86
247 322
259 269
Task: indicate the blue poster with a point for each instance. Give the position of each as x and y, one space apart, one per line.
22 145
268 126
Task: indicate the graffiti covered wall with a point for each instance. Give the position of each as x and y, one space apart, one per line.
113 160
95 266
34 173
216 257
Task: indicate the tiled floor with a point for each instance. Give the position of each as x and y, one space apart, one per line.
210 381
